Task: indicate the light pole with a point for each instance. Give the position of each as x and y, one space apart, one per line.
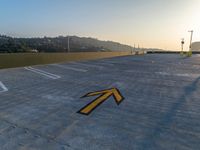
68 44
191 31
133 51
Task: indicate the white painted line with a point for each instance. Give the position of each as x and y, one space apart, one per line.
69 68
108 61
3 87
50 74
163 73
103 63
179 74
44 73
87 65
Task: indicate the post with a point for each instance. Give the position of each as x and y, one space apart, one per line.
68 44
190 47
182 43
133 49
191 39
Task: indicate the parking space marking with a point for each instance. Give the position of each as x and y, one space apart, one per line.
44 73
108 61
5 89
179 74
103 63
69 68
87 65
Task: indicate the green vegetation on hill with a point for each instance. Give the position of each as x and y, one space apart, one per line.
58 44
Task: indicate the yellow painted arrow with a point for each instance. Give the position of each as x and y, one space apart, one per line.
105 94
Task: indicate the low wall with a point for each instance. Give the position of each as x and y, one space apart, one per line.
27 59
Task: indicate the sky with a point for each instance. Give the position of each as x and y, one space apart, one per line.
149 23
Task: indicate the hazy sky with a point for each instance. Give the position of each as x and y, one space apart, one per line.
150 23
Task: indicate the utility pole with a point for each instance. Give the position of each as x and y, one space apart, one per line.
190 48
68 44
133 49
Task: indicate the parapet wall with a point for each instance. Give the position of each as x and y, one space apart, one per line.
28 59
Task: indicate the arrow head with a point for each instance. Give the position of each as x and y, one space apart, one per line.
113 91
104 95
117 96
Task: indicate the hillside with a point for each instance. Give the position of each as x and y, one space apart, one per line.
58 44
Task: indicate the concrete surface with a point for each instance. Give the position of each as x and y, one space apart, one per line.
161 109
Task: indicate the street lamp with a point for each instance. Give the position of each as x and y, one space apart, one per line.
68 44
191 31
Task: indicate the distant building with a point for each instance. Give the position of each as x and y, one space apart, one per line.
196 46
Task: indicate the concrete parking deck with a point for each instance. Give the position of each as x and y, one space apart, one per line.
160 110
